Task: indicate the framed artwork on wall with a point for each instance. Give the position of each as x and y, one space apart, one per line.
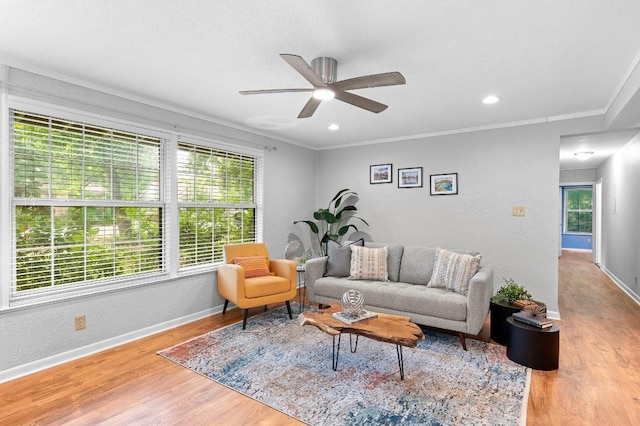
410 177
444 184
381 173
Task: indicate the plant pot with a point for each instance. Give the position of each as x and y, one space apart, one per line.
499 327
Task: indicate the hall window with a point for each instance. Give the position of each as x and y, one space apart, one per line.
578 210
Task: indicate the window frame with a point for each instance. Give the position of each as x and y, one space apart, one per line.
566 210
169 139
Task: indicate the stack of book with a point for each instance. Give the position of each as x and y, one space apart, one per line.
539 322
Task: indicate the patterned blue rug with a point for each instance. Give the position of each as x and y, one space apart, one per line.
288 367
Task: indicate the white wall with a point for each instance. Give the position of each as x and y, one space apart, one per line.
577 176
497 169
37 337
620 216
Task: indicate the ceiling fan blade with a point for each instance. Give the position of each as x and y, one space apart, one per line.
361 102
375 80
259 92
310 107
304 69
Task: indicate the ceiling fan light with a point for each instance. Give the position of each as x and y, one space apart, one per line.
491 99
583 155
324 94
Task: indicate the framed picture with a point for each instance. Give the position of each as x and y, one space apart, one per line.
444 184
410 178
381 173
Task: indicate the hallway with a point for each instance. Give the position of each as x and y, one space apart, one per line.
598 381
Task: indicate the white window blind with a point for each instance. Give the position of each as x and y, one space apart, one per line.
216 201
87 205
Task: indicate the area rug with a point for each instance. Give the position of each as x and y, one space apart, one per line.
288 367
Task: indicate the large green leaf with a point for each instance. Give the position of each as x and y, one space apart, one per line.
312 225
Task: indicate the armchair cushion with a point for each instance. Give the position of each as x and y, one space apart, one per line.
254 266
265 286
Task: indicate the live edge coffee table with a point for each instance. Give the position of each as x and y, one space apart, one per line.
384 328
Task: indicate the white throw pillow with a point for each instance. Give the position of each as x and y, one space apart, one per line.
369 263
453 271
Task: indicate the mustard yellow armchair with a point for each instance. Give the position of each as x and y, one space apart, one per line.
248 278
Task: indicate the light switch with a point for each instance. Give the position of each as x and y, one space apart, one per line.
518 211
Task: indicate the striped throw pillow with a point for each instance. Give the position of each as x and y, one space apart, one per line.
254 266
453 271
369 263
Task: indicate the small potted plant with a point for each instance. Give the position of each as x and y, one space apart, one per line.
502 308
510 292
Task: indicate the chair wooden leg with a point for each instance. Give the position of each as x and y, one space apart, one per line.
245 315
226 303
463 341
289 309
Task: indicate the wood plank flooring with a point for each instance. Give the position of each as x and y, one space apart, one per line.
598 381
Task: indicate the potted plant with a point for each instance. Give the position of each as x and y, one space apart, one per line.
510 292
502 308
332 222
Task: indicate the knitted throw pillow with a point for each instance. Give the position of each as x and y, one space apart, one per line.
254 266
453 271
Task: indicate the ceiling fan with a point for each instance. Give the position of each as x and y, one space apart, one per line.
322 75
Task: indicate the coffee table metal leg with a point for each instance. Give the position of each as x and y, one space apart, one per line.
336 352
400 361
351 346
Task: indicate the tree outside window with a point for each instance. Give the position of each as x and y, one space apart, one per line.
578 210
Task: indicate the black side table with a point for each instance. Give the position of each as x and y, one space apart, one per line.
499 314
533 347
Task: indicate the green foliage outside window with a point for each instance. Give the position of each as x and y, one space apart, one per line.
79 191
578 210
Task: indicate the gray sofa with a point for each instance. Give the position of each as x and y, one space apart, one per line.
406 292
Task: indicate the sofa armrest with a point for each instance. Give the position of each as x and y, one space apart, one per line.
478 298
314 270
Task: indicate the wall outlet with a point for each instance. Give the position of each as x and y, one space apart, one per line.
518 211
81 322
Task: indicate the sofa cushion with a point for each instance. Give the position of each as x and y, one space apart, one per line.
417 264
453 271
402 297
394 258
369 263
339 258
254 266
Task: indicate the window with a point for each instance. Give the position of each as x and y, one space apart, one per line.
578 210
95 208
216 199
87 206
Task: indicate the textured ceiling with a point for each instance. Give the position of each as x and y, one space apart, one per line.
544 58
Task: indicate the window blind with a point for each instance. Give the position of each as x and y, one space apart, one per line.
87 204
216 200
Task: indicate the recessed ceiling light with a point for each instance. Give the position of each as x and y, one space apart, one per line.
323 94
491 99
333 126
584 155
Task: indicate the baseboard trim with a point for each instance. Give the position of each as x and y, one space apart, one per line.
619 283
64 357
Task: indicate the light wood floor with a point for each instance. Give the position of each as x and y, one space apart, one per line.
598 381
